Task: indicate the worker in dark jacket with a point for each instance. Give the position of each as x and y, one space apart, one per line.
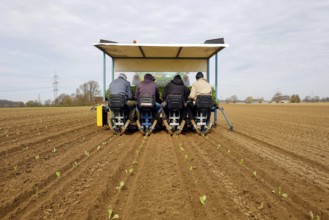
122 86
148 86
174 87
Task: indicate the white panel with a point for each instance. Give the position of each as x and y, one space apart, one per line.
160 65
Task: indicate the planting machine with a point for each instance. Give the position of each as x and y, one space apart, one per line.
163 61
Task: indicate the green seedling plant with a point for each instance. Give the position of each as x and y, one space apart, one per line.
314 218
203 199
120 187
37 157
186 157
54 150
280 193
191 168
254 173
87 153
130 171
241 162
37 192
75 164
99 147
58 174
115 216
181 148
218 146
16 167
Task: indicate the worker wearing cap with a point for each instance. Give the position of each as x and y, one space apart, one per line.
122 86
200 87
148 86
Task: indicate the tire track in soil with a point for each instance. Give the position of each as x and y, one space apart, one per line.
272 173
158 190
115 199
21 131
44 149
288 158
90 187
290 161
27 190
302 147
197 182
28 168
36 140
224 200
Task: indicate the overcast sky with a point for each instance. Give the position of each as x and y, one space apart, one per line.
275 45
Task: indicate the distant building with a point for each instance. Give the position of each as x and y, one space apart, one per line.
254 101
278 98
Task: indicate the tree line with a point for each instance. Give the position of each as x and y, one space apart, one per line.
85 95
277 98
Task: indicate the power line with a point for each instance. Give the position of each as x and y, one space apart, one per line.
55 85
17 90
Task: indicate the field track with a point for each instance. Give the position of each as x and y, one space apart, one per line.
274 165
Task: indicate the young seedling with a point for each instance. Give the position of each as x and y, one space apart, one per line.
15 167
280 193
58 174
120 187
87 153
54 150
37 192
241 162
254 173
115 216
186 157
130 171
75 164
99 147
312 216
203 199
191 168
37 157
181 148
218 146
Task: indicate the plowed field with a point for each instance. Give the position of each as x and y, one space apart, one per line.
56 164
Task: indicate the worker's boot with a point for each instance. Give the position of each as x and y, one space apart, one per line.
195 126
157 116
181 126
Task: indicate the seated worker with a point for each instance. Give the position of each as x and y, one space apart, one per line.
174 87
148 86
200 87
122 86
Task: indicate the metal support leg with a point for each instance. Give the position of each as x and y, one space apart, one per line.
228 122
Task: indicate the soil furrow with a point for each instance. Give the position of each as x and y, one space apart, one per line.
158 175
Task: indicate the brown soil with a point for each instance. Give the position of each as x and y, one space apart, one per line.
274 165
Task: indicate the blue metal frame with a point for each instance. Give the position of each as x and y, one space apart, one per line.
216 87
104 76
112 69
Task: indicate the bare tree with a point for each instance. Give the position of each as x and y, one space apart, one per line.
249 99
234 98
87 92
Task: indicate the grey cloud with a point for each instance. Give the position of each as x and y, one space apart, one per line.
273 44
